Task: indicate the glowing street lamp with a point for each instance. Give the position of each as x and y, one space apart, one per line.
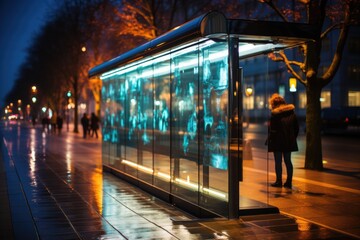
33 94
248 91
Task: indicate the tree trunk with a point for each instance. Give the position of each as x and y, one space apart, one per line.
313 155
95 86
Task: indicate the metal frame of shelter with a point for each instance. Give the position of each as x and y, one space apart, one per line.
266 36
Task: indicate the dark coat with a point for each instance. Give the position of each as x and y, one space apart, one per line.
94 122
85 122
283 129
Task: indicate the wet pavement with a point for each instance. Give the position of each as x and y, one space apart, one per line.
53 187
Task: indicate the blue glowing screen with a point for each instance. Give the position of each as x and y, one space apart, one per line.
178 102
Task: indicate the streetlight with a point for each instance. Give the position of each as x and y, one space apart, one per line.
248 91
31 110
33 89
28 110
33 94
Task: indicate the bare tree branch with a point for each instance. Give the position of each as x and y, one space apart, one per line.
289 64
330 28
329 74
275 8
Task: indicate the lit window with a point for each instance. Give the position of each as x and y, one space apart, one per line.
260 102
325 99
302 100
249 102
354 98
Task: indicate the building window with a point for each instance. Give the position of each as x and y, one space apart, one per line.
325 99
354 98
302 100
249 102
260 102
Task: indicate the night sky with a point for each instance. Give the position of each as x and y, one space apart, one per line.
19 21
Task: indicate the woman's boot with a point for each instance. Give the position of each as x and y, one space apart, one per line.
278 183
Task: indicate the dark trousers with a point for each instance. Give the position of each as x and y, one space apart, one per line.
278 166
85 130
94 130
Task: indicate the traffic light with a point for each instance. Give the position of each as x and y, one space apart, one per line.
33 94
68 94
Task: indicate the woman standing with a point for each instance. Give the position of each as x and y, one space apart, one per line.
283 131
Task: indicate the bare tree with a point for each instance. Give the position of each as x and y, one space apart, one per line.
76 20
148 19
75 38
327 16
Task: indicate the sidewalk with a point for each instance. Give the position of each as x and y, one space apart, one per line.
331 197
55 189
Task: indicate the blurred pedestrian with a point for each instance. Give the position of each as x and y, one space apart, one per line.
94 124
85 124
45 123
59 123
53 123
283 131
67 120
33 120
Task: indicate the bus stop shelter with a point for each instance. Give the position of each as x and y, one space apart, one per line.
172 111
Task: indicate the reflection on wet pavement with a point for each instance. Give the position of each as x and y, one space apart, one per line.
57 190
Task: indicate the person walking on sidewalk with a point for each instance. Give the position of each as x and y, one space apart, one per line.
59 123
53 123
94 125
283 131
85 124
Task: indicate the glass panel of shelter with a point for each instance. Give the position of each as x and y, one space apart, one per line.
145 116
107 129
213 126
161 123
131 122
184 104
